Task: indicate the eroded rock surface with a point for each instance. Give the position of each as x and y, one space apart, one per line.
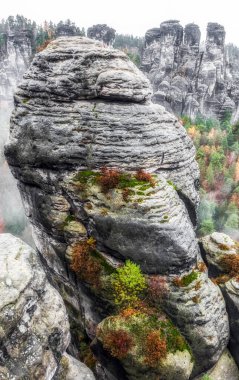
34 324
84 111
215 247
73 369
222 255
225 368
187 78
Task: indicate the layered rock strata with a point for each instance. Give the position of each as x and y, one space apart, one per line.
83 116
187 78
222 255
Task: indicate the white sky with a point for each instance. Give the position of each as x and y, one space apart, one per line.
130 16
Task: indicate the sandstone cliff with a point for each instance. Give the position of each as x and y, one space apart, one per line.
15 57
187 78
107 177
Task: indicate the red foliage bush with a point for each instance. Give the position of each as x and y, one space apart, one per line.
128 312
155 349
141 175
84 265
157 287
108 179
118 343
230 264
201 266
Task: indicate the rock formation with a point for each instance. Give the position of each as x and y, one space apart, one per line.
102 32
15 57
109 182
222 255
187 78
34 331
225 368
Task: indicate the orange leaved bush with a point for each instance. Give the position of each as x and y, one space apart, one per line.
141 175
157 287
155 349
108 179
83 264
230 264
118 343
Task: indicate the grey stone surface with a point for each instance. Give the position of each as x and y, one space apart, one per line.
187 78
34 328
73 369
215 246
230 292
225 368
200 312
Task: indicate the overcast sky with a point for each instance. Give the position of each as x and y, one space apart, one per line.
130 16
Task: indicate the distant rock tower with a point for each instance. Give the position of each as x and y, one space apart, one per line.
102 32
187 79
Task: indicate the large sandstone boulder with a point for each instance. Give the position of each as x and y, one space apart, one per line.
106 175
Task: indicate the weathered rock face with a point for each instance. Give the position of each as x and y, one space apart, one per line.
15 57
34 331
199 311
83 111
215 246
225 368
222 255
187 79
34 325
72 369
231 294
102 32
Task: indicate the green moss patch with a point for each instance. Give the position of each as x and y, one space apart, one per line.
86 176
189 278
109 179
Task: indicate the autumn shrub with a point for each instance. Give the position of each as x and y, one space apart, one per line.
108 179
84 264
220 279
223 247
155 349
201 266
128 312
141 175
157 287
230 264
128 283
118 343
